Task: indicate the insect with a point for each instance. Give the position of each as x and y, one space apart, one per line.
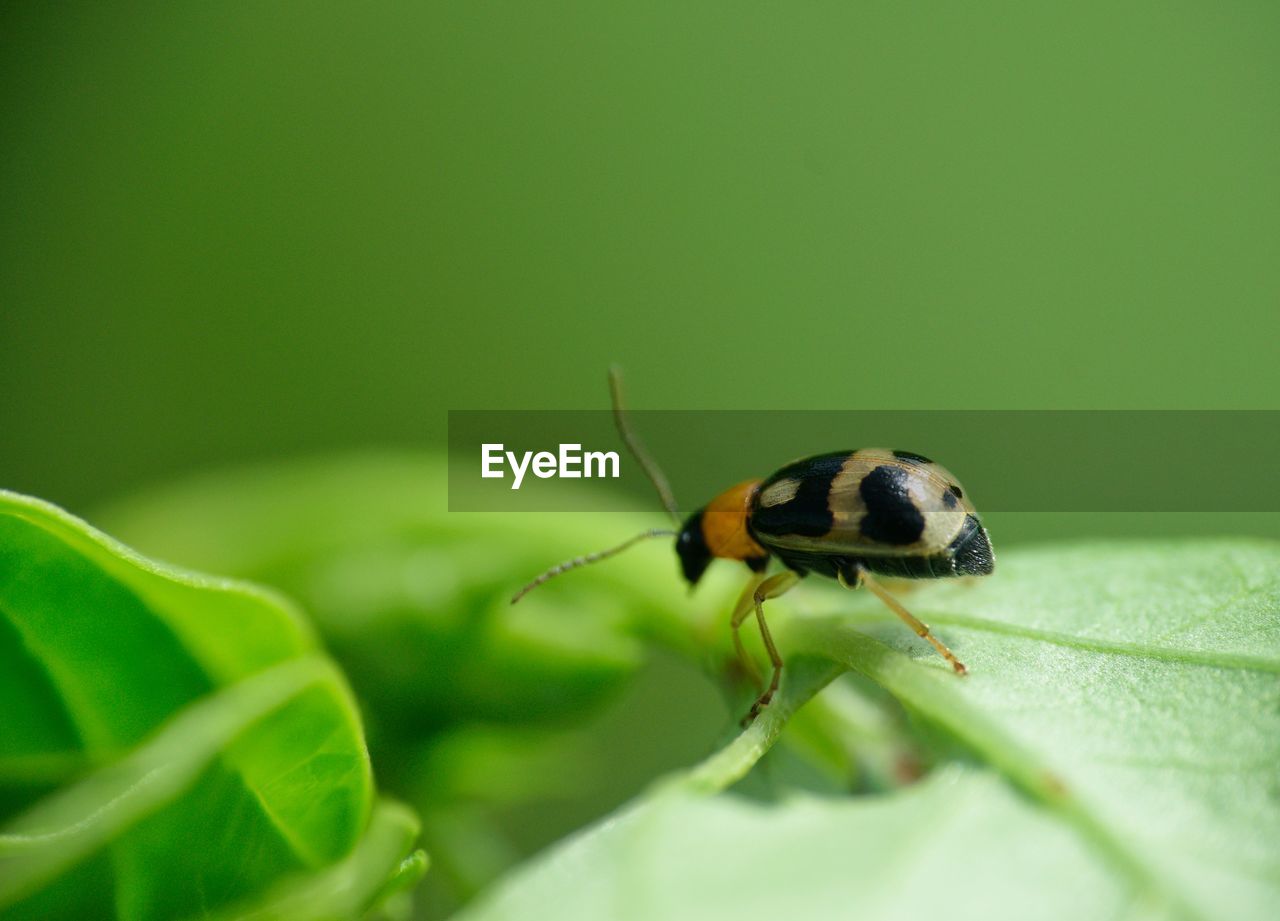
847 515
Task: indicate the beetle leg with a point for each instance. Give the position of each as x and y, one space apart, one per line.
771 587
921 629
740 612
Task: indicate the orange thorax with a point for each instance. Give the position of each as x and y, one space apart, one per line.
724 523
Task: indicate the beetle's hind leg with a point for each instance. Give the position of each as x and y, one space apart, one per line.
862 577
771 587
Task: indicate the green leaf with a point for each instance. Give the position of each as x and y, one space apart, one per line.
353 884
1113 753
172 743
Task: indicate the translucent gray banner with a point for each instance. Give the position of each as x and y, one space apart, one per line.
1050 461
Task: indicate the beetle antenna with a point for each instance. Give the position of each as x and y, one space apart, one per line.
651 469
589 559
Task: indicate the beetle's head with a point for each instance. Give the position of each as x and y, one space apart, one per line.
691 546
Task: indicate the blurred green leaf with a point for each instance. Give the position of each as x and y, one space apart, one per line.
414 600
504 726
172 743
1112 753
376 870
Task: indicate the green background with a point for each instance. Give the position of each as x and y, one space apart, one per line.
244 230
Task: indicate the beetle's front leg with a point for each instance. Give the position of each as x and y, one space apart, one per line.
771 587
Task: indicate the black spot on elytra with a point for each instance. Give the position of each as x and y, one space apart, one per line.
912 457
891 518
956 490
808 513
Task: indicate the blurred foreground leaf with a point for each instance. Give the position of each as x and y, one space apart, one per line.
506 727
171 744
1113 754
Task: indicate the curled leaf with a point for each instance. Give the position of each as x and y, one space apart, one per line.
202 748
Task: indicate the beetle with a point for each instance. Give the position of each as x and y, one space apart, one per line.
846 515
